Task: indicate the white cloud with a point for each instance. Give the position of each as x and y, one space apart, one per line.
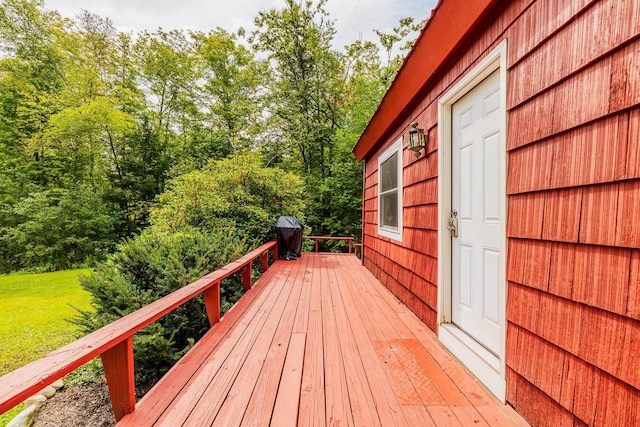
353 17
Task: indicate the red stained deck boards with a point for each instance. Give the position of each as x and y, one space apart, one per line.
324 343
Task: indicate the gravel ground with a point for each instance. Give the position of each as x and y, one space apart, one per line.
78 406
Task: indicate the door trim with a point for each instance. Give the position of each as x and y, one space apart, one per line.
488 368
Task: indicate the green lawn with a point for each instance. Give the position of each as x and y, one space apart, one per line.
33 309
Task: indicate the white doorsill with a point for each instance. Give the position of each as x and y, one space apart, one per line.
485 365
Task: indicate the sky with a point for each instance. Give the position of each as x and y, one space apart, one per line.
353 18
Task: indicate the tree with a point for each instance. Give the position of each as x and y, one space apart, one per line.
235 194
404 33
143 170
166 71
72 117
365 85
108 112
31 71
230 96
30 35
306 90
55 229
88 139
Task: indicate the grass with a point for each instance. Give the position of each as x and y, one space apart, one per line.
33 313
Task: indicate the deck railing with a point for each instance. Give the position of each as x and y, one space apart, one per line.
323 238
114 342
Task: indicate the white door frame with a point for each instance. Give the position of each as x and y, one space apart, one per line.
487 367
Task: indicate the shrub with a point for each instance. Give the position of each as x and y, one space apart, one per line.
206 219
237 194
55 229
152 265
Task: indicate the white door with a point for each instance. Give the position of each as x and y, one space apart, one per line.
478 251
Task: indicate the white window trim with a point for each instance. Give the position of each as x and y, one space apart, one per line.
391 233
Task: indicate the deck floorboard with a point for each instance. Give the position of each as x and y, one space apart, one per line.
320 343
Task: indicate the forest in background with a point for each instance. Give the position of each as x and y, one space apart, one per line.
156 157
107 135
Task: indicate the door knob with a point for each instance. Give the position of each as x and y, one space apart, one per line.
453 223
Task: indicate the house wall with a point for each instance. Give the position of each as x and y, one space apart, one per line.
573 186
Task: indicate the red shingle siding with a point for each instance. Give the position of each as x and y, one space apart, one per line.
538 22
633 152
633 307
563 261
408 268
525 215
599 214
601 277
573 223
590 36
595 153
535 406
627 224
568 363
562 210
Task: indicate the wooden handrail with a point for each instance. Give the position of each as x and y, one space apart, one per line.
319 238
114 342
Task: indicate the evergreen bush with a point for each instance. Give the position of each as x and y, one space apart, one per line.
153 265
204 220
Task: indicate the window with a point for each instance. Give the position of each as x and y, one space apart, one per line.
390 192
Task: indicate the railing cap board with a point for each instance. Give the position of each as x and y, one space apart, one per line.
328 238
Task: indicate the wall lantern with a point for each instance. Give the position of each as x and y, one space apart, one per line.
417 140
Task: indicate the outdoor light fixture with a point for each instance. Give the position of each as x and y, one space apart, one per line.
417 140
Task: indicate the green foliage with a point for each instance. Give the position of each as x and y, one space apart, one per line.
142 170
30 35
84 107
400 34
337 206
79 137
55 229
165 65
305 91
231 91
146 268
236 194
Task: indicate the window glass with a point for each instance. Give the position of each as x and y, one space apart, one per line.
389 173
390 192
389 205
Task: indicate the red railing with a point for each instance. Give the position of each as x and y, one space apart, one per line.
114 342
322 238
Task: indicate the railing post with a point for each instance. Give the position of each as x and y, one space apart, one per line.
264 260
357 249
118 368
246 277
350 245
212 303
317 245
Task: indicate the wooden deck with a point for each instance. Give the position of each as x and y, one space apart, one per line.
319 342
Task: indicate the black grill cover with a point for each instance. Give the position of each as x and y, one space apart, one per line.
289 233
